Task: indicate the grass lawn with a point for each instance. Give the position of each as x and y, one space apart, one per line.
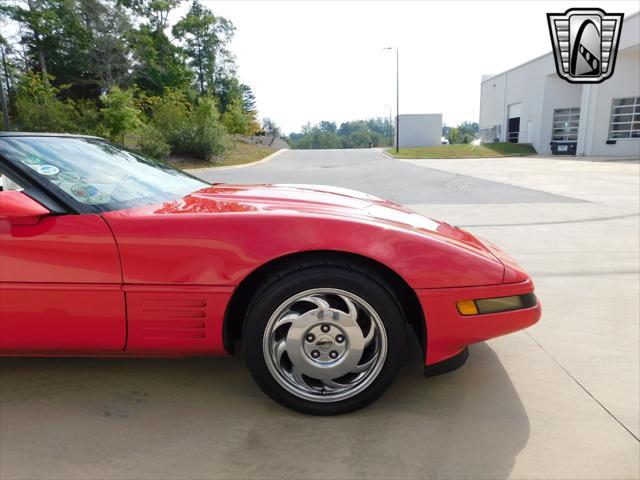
242 153
465 151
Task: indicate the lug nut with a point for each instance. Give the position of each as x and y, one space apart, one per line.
339 338
315 354
333 354
310 338
325 328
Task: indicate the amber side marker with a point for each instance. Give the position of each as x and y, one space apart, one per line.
496 305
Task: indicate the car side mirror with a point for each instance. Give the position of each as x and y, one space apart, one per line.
19 209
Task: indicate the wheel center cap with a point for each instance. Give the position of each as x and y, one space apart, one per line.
324 342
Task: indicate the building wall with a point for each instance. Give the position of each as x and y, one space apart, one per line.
539 90
558 93
524 85
492 107
420 130
625 82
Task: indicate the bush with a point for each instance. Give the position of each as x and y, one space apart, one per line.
151 142
191 130
119 114
170 113
40 110
88 118
207 133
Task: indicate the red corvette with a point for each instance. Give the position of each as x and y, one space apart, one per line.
105 252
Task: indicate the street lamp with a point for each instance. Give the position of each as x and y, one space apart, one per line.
397 98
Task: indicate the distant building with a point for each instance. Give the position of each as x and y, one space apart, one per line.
420 130
531 104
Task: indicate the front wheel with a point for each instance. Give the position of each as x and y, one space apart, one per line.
324 340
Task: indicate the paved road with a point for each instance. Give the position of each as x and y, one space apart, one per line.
372 172
557 401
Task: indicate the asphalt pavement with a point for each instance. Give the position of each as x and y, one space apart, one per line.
560 400
372 172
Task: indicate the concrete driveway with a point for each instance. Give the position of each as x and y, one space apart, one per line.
560 400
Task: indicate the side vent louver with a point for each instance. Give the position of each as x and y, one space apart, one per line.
174 318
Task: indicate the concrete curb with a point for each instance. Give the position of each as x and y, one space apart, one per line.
243 165
546 157
384 152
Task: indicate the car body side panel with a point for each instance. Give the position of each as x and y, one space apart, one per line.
448 332
223 248
60 249
175 320
61 318
60 287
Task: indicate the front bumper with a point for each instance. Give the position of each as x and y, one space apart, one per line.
449 332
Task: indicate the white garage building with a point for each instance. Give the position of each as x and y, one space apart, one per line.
420 130
532 104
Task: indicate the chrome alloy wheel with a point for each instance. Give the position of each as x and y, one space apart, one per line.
325 345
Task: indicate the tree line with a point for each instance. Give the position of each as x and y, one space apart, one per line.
118 69
466 132
374 132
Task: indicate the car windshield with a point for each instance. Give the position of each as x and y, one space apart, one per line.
95 173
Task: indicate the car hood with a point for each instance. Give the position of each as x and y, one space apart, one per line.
318 199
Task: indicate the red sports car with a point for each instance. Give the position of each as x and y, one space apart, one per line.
105 252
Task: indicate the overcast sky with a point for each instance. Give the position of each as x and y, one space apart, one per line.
310 61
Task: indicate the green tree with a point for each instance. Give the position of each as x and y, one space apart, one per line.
189 129
248 98
35 18
40 109
205 38
152 142
236 120
454 135
120 114
207 132
353 134
158 64
109 28
156 12
329 127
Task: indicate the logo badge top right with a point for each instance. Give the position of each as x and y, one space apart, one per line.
585 43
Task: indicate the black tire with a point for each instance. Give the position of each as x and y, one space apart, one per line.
288 282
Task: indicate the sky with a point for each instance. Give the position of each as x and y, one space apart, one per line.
308 61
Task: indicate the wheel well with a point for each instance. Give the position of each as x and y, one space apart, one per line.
237 307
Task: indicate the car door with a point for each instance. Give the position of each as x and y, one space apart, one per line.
60 281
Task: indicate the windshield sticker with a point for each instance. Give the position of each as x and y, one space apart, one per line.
31 160
47 170
70 177
89 194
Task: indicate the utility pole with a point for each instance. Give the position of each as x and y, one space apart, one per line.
397 97
397 101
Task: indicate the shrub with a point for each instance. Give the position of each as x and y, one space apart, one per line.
188 129
207 133
119 114
170 113
151 142
88 118
40 110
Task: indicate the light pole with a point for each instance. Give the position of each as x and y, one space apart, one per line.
397 98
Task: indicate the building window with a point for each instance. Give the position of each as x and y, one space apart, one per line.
625 118
565 124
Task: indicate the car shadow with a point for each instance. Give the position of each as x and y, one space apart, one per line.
203 417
